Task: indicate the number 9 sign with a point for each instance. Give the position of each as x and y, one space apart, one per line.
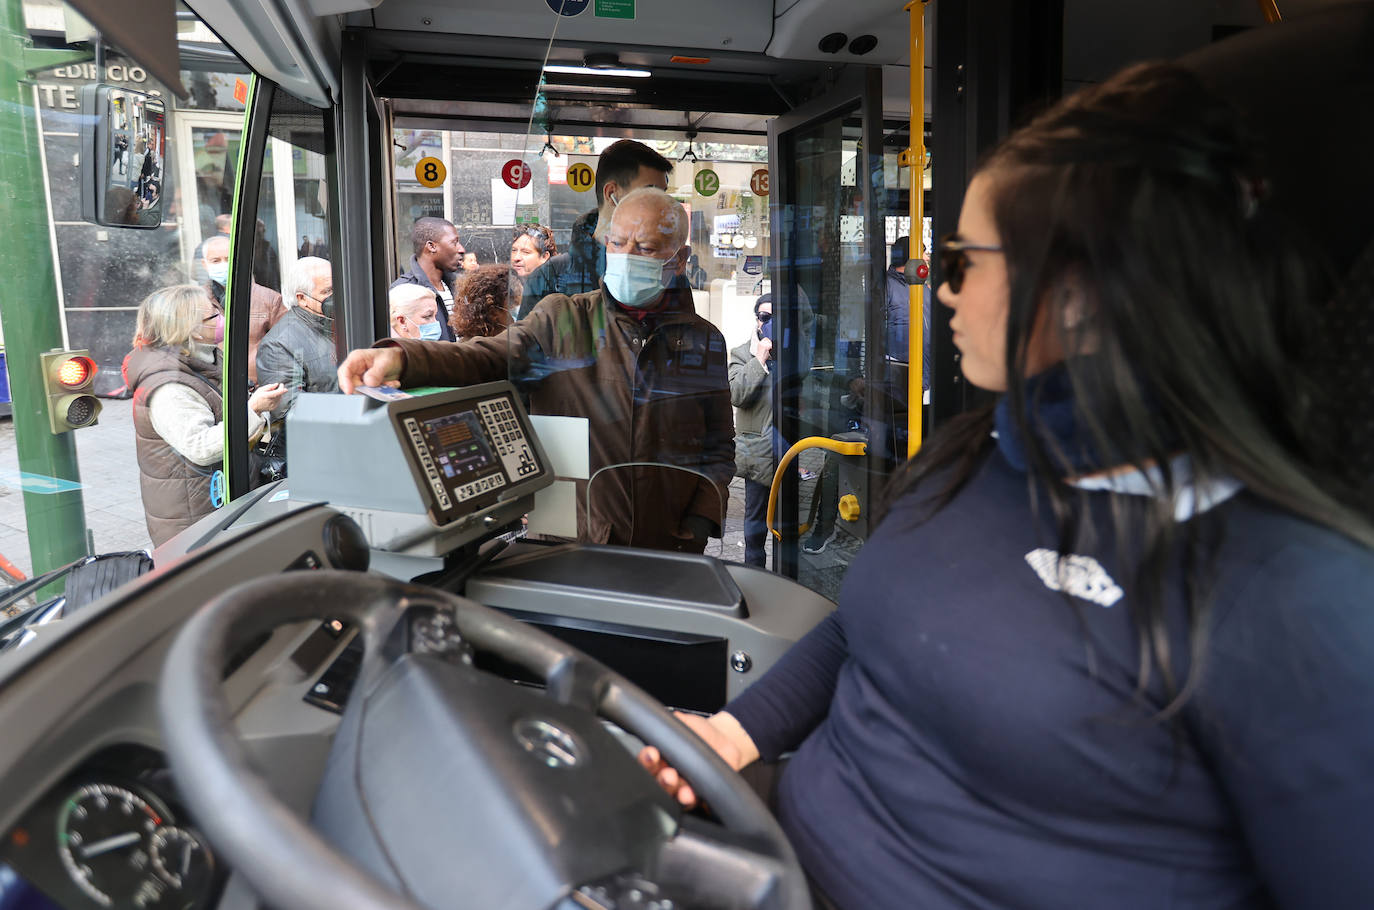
516 174
581 177
430 172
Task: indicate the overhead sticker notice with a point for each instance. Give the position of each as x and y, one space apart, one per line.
615 9
430 172
581 177
707 182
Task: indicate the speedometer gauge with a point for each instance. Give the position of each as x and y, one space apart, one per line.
183 862
104 834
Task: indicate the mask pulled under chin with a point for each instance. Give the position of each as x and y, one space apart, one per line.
635 281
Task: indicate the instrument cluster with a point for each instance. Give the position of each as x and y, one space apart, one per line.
111 834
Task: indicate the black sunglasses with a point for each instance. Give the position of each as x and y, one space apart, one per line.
764 318
954 259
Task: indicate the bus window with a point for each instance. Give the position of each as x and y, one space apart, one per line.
292 337
62 496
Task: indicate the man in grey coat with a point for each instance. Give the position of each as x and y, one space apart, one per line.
751 391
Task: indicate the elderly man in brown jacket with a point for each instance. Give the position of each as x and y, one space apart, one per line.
632 357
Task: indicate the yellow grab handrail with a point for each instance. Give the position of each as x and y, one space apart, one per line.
917 321
837 446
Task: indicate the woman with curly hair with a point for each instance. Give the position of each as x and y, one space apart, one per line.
480 310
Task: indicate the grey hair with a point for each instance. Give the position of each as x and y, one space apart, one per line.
403 297
674 224
216 239
300 279
169 316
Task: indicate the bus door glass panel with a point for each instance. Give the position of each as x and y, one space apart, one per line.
649 381
827 301
209 174
293 335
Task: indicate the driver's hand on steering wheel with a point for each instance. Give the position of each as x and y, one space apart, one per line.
721 732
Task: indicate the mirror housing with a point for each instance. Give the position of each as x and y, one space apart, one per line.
124 137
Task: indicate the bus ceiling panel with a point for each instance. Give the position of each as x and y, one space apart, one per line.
702 25
282 41
872 32
386 47
430 79
608 120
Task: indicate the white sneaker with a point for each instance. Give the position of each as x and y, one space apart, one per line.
813 545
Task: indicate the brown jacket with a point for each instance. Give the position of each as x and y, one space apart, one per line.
176 493
267 309
652 391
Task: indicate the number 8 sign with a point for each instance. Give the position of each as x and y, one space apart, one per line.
430 172
516 174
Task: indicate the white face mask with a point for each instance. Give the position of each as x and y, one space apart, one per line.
637 281
218 271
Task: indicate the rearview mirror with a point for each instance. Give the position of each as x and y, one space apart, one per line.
123 146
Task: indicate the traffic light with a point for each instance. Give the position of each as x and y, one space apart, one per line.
67 380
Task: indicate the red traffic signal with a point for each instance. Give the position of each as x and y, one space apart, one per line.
75 371
67 380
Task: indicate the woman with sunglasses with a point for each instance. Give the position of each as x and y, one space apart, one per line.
1112 643
173 373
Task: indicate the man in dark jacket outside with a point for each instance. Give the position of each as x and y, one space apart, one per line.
436 265
751 391
634 359
299 351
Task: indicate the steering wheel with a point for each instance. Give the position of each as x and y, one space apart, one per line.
450 785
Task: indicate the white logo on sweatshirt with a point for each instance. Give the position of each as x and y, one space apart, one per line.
1080 576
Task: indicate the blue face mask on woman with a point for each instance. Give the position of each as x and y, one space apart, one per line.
430 331
636 281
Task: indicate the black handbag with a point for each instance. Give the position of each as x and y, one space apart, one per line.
267 460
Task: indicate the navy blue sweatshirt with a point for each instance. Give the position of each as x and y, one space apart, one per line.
966 735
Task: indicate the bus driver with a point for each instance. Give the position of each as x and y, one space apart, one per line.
632 357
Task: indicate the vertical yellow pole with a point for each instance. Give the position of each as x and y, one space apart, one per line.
916 159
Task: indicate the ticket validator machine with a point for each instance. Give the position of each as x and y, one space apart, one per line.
436 481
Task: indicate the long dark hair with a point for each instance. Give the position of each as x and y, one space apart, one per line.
1137 199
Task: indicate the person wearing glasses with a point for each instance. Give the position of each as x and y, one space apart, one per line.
1111 641
530 248
173 373
299 350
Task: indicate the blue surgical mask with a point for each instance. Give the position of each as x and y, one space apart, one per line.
218 271
636 281
430 331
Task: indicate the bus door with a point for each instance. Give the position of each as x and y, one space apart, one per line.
832 216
